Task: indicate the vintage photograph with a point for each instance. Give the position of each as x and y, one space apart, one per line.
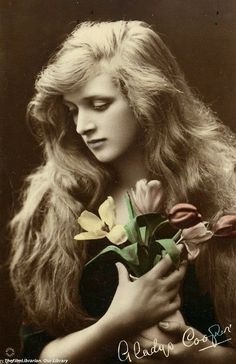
118 181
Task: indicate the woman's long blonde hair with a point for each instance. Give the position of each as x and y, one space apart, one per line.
186 147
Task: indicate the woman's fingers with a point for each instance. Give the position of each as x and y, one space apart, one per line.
174 304
162 268
165 270
165 266
176 276
149 298
173 291
173 327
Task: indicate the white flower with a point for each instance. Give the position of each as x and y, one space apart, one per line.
194 236
147 196
98 228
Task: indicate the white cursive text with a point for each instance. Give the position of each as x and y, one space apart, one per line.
124 350
189 339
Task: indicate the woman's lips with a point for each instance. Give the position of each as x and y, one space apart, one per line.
96 143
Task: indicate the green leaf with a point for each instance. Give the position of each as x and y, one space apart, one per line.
143 234
130 207
129 255
143 257
155 253
132 231
147 236
171 249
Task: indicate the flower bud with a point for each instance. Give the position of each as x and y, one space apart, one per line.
193 237
225 226
184 215
147 196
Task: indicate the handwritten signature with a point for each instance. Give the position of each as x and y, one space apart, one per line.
189 339
215 332
124 353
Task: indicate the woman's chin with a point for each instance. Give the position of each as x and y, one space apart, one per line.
103 158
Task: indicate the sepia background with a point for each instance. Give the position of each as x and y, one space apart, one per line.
200 33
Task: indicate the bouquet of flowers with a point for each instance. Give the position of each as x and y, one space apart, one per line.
140 243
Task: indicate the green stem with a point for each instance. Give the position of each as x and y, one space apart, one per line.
177 235
129 205
140 240
163 223
147 236
179 241
143 255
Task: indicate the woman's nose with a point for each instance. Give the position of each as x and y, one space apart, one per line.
84 125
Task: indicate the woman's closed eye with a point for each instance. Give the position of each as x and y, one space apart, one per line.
100 105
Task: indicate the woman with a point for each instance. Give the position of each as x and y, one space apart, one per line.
112 107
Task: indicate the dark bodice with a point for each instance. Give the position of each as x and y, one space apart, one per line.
97 287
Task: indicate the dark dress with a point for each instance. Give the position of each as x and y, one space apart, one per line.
98 285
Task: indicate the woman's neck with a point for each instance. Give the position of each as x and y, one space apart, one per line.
129 170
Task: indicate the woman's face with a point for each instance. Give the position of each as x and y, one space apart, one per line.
104 119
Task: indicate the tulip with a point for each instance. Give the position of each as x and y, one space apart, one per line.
147 196
226 226
193 237
184 215
98 228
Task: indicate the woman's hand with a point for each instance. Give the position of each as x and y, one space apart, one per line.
136 305
146 301
193 347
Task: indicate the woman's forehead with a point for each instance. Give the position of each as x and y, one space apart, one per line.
98 85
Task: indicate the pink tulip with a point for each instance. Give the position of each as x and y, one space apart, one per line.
226 226
184 215
194 236
147 196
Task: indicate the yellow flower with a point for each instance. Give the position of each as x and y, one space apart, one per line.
98 228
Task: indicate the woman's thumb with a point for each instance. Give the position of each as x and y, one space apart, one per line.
122 273
174 327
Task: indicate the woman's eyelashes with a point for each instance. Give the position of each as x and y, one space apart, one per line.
100 105
90 105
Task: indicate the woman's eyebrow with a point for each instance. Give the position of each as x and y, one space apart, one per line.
88 99
97 97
